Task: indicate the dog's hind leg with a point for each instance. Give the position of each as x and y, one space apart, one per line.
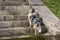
39 30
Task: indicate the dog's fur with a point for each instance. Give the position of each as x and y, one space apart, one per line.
37 22
34 20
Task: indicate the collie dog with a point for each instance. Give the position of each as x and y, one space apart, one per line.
37 23
34 20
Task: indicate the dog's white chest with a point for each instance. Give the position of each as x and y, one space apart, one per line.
30 14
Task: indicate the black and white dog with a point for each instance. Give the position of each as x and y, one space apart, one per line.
34 20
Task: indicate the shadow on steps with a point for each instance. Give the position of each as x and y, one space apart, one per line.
44 29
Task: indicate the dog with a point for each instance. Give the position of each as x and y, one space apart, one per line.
38 26
34 20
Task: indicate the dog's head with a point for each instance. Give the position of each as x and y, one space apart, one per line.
32 10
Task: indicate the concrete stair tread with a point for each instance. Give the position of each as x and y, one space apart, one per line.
13 28
4 12
12 17
22 36
15 31
35 2
25 36
15 3
18 32
8 24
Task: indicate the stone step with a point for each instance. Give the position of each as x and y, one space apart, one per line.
22 36
9 24
35 2
26 36
20 23
13 2
17 10
13 12
52 28
16 31
13 18
4 12
49 19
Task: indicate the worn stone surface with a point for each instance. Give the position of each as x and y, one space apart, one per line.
20 18
9 24
1 18
13 18
20 24
49 19
13 12
26 24
5 24
13 31
4 12
16 24
8 18
35 2
51 28
17 10
24 10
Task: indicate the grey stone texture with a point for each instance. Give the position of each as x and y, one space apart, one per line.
13 31
20 18
35 2
1 18
20 24
5 24
8 18
4 12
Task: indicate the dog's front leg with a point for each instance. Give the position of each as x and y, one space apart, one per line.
31 24
35 31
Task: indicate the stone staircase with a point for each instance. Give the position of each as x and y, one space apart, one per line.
13 2
14 20
13 25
